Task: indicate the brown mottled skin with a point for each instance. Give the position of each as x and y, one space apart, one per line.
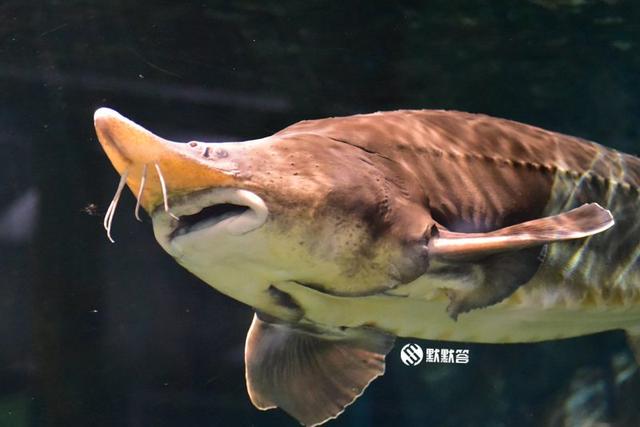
403 171
476 172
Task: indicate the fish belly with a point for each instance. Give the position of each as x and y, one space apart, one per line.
510 321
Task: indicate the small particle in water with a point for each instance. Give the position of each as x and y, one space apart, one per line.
94 311
140 76
91 209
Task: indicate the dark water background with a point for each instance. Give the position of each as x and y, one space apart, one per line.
101 334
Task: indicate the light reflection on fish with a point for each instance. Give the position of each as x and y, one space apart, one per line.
345 232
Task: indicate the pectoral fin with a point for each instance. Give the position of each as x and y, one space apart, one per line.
311 376
587 220
505 259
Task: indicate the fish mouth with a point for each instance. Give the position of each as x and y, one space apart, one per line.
209 213
208 216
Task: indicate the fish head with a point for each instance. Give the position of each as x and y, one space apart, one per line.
287 207
192 191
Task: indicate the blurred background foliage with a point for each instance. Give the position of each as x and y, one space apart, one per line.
105 334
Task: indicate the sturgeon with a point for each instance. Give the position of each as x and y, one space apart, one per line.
345 232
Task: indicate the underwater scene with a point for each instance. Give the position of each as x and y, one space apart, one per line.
282 213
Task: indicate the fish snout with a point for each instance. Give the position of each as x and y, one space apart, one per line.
154 168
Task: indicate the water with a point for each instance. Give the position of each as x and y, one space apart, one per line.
106 334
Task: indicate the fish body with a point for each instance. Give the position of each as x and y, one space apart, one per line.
345 232
482 174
